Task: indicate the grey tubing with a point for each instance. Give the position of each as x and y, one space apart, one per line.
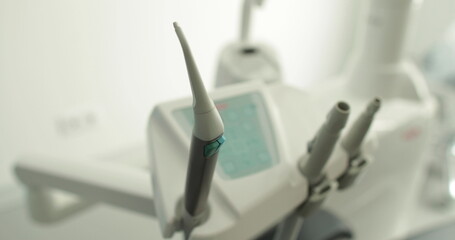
353 139
323 143
199 177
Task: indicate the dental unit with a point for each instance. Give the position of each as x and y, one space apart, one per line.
248 157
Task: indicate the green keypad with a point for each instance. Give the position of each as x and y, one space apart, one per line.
250 147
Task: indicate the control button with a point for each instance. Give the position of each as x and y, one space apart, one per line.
211 149
221 140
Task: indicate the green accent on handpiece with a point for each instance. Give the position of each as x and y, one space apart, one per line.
213 147
221 140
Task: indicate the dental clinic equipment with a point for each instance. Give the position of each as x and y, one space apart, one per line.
245 60
318 153
379 66
352 143
243 168
311 165
320 148
205 144
259 181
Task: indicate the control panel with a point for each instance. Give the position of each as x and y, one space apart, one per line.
251 144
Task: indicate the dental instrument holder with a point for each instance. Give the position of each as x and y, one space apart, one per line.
319 151
311 165
379 66
244 61
356 165
352 142
205 143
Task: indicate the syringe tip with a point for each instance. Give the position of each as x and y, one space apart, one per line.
374 106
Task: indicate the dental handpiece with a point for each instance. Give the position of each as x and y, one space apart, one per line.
321 147
206 140
354 138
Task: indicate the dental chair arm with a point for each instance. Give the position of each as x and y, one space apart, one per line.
48 206
119 185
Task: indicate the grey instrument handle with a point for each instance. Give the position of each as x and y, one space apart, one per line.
321 147
201 167
354 138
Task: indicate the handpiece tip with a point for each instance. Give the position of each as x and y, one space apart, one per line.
338 116
176 25
342 107
377 101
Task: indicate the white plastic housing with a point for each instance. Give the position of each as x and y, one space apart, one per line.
243 62
243 208
382 32
376 207
239 208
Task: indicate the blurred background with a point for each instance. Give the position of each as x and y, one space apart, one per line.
79 78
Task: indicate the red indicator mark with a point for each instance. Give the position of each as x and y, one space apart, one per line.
411 133
221 106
